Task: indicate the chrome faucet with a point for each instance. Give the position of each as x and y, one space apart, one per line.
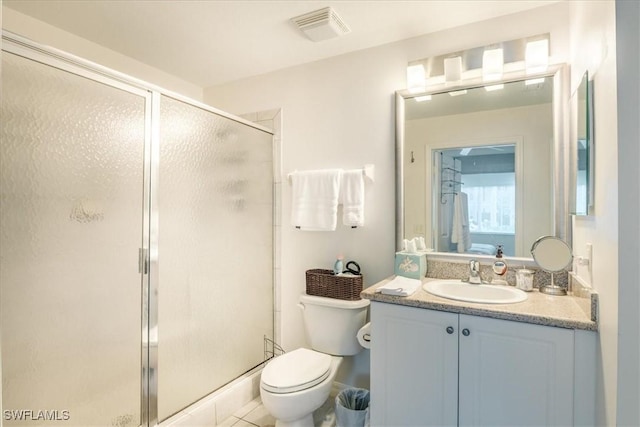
474 272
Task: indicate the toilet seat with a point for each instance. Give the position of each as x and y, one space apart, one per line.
295 371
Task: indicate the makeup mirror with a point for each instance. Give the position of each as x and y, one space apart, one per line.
552 255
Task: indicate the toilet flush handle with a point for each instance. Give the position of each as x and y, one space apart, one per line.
301 305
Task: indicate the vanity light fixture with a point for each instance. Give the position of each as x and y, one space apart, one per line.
492 64
415 78
458 92
423 98
453 69
536 56
489 63
534 81
492 88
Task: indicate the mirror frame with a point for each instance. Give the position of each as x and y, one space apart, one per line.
561 223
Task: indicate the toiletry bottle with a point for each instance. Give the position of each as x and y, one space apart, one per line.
338 265
499 269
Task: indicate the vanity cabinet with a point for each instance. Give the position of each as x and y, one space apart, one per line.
513 373
435 368
414 366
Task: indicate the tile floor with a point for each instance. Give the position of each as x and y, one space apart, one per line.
255 414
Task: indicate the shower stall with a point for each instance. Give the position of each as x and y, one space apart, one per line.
136 245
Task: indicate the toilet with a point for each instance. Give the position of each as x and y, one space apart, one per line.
297 383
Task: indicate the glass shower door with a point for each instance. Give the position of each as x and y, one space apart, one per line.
215 252
71 212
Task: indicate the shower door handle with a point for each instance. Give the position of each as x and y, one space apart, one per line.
143 261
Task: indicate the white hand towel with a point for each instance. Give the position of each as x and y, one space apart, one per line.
352 198
412 248
400 286
460 229
314 205
422 244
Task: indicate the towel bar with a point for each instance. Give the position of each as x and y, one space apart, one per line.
368 171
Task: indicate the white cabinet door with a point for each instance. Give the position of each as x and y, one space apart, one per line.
515 374
414 366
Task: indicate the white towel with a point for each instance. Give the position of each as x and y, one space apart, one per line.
422 244
352 198
314 205
400 286
460 234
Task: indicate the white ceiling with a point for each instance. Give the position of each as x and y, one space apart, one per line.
213 42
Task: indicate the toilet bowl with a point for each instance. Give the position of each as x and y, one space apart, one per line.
293 404
297 383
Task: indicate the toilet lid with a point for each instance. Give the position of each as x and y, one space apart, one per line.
295 371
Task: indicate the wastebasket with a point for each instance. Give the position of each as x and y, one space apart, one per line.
352 408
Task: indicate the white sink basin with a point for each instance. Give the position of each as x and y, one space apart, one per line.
484 294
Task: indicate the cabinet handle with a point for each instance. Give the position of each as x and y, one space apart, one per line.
450 330
466 332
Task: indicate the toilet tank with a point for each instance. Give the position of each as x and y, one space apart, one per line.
332 324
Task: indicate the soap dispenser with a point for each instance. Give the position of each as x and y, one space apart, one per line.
499 269
338 265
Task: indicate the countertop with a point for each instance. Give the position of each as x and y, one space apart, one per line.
542 309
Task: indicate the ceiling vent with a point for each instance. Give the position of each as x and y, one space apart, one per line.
321 24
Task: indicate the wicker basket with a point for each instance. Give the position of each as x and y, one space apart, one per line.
323 283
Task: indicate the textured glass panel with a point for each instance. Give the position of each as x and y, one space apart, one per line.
71 224
215 252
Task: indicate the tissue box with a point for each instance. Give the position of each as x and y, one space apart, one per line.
411 265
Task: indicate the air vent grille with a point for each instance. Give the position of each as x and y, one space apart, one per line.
321 24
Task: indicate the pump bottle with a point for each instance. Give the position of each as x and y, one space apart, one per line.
499 269
338 265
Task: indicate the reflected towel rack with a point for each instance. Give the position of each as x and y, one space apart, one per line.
449 182
368 171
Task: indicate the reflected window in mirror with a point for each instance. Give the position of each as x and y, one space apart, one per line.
581 178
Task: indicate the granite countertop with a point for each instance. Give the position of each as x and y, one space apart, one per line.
569 311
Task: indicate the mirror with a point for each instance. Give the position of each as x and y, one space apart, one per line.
479 167
552 255
582 149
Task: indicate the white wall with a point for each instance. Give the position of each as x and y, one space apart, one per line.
592 36
49 35
628 64
339 112
533 125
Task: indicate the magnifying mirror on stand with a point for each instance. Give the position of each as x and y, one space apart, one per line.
552 255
